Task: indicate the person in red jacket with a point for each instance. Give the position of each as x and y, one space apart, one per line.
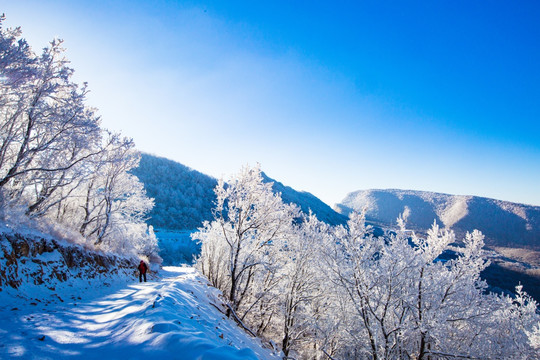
142 271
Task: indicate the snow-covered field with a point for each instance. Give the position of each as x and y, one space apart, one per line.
175 317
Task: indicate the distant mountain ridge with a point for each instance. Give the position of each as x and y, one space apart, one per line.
503 223
307 201
184 197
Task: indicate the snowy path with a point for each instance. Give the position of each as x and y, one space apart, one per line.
172 318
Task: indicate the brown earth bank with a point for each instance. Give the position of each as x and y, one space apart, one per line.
31 264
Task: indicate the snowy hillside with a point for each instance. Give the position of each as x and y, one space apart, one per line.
307 201
60 300
184 197
33 263
503 223
178 316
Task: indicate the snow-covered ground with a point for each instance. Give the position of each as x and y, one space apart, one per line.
175 317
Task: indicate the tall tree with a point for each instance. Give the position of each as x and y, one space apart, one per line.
248 221
301 287
56 162
49 128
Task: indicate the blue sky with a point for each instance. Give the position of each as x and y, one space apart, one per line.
330 97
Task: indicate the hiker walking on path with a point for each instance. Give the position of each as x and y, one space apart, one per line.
142 271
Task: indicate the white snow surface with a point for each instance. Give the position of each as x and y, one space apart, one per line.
174 317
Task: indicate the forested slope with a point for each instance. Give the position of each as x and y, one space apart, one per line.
307 202
184 197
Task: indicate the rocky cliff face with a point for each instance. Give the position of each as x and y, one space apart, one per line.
30 264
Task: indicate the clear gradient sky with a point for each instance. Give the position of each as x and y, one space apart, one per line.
330 97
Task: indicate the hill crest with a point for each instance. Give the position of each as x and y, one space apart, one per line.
503 223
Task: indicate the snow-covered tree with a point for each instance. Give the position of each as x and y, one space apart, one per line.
56 162
301 289
402 300
48 128
113 199
322 291
250 221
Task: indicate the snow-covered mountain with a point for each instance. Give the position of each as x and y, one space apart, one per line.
503 223
307 201
184 197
